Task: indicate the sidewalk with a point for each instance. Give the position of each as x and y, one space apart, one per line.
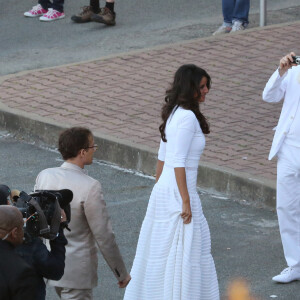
120 99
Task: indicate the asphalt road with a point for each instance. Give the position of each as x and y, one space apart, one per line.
27 43
245 240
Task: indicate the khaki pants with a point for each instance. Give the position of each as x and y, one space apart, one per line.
74 294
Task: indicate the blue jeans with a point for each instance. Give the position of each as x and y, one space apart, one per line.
57 4
235 10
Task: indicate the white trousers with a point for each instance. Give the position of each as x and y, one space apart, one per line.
288 202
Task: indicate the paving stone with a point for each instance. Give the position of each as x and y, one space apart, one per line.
122 96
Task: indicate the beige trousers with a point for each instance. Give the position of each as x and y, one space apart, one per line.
74 294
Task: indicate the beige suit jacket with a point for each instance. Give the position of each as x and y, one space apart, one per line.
90 227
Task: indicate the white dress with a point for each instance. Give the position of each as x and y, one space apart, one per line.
173 261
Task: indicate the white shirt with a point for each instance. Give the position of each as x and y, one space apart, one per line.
286 87
293 136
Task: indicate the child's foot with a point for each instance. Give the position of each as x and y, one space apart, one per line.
52 15
36 11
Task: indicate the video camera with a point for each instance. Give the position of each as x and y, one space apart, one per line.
41 211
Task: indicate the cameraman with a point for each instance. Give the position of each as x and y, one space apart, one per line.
17 279
47 264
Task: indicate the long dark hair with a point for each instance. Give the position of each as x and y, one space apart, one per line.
185 92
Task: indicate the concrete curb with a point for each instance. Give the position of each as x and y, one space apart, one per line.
235 185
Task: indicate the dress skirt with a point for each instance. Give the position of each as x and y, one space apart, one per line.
173 261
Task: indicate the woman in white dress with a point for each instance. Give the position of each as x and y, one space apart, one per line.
173 258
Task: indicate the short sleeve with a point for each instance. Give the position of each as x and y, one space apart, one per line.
185 132
162 150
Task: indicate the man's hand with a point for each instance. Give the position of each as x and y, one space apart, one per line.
122 284
286 63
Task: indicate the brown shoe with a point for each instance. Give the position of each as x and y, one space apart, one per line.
83 16
105 16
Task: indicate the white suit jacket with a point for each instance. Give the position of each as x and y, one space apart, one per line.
90 226
286 87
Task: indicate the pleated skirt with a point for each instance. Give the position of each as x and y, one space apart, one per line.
173 261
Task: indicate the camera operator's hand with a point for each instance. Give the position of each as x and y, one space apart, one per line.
286 63
122 284
63 217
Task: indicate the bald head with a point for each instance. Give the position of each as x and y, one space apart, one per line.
10 219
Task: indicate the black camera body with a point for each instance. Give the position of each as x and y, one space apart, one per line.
296 60
42 212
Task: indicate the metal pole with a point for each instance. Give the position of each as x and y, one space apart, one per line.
263 13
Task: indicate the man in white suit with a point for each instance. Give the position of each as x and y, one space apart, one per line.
90 224
285 84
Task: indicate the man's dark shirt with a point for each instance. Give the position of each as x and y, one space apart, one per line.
47 264
18 280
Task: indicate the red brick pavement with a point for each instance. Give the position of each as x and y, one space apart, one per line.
122 96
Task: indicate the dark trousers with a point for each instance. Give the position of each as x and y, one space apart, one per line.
56 4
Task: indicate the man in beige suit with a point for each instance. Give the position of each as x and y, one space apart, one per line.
90 224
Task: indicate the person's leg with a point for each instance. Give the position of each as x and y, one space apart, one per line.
227 9
94 4
58 5
288 209
107 14
75 294
241 11
58 291
110 4
46 4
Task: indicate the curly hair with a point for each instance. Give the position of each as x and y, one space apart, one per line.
185 92
72 140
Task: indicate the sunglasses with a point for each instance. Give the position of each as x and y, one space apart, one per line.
95 146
